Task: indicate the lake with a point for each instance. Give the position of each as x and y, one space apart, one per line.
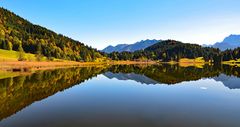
123 96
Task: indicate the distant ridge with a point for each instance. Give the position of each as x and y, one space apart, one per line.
230 42
130 47
131 76
231 82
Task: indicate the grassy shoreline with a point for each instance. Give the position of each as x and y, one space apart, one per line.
27 66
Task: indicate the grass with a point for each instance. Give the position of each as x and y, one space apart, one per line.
12 56
196 60
7 55
232 62
186 62
9 61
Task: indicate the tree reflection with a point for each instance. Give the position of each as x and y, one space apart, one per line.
172 74
19 92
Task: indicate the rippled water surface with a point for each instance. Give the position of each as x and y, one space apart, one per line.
123 96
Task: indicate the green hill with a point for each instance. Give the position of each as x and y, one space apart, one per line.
175 50
169 50
17 33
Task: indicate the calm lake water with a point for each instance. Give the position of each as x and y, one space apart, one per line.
123 96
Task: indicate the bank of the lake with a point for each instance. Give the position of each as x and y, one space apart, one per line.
28 66
25 66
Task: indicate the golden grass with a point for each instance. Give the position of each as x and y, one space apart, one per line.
13 69
27 66
196 60
197 65
131 62
186 62
232 61
235 63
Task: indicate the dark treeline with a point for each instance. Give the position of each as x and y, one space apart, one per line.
174 50
230 54
18 34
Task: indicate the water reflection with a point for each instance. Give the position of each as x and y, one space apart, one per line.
172 74
19 92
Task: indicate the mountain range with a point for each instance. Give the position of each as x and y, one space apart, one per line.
130 47
230 82
230 42
131 76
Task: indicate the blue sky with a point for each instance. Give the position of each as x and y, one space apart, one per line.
100 23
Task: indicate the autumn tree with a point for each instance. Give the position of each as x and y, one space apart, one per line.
39 52
21 53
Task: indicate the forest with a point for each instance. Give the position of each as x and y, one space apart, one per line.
171 50
20 35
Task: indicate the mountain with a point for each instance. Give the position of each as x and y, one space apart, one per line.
19 34
131 76
169 50
130 47
230 42
117 48
232 82
175 50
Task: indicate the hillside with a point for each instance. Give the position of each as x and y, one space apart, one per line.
169 50
175 50
17 34
230 42
130 47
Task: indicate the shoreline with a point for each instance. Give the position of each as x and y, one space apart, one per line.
26 66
